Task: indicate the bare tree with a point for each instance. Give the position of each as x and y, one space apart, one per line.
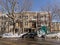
12 6
55 11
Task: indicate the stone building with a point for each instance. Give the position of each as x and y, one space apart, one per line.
32 21
44 18
55 26
28 21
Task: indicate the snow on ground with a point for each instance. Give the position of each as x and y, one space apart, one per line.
56 35
50 35
11 35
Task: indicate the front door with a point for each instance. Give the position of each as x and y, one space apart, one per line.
29 30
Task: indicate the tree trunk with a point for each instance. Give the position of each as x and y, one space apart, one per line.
19 28
13 27
8 26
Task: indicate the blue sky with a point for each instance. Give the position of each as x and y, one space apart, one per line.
37 4
42 3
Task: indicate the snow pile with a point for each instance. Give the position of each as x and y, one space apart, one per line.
56 35
11 35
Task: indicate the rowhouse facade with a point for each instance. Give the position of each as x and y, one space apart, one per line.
55 26
29 21
32 21
44 18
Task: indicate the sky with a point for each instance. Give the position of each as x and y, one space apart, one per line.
37 4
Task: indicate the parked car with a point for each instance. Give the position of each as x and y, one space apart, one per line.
58 35
23 36
51 35
29 35
0 36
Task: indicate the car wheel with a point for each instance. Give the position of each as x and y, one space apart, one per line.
43 36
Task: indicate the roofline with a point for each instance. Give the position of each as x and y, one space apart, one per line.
55 22
36 11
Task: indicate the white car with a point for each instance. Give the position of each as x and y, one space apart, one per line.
58 34
51 35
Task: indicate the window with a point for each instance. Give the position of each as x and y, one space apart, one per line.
20 16
26 23
47 19
25 30
34 17
42 18
26 17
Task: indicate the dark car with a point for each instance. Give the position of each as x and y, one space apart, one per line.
0 36
23 36
29 35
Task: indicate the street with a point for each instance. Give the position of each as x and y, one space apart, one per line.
29 41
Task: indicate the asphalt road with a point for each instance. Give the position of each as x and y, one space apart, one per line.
29 41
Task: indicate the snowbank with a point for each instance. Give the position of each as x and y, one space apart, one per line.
11 35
